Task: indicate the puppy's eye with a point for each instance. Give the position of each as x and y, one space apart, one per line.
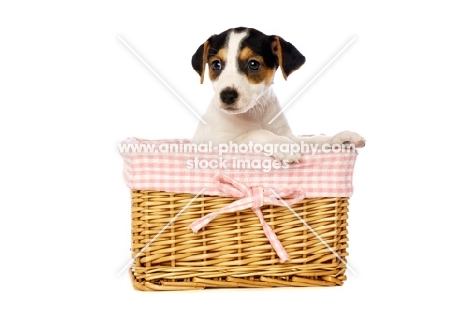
254 65
216 65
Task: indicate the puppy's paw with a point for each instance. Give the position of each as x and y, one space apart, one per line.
287 157
286 150
347 137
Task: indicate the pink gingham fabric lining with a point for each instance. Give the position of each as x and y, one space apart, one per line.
317 175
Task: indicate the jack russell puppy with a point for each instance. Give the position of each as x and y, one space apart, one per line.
242 63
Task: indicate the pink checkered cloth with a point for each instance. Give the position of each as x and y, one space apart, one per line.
253 177
318 175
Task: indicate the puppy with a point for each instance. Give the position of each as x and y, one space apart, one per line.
242 63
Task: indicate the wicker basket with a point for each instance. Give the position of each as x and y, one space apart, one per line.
299 241
232 250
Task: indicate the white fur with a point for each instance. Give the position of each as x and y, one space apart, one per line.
230 77
257 105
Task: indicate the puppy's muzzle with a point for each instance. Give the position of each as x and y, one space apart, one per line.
228 96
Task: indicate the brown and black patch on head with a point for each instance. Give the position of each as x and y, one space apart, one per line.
256 58
270 52
260 44
274 51
253 66
212 51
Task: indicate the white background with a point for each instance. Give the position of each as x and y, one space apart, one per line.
70 91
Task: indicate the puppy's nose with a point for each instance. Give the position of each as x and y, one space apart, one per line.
228 96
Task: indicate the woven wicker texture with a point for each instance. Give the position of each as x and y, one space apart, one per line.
232 250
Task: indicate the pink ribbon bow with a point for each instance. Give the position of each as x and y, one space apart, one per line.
251 197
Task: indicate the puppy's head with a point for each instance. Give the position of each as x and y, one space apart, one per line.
242 63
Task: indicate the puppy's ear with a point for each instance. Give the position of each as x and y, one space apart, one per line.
289 58
199 59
